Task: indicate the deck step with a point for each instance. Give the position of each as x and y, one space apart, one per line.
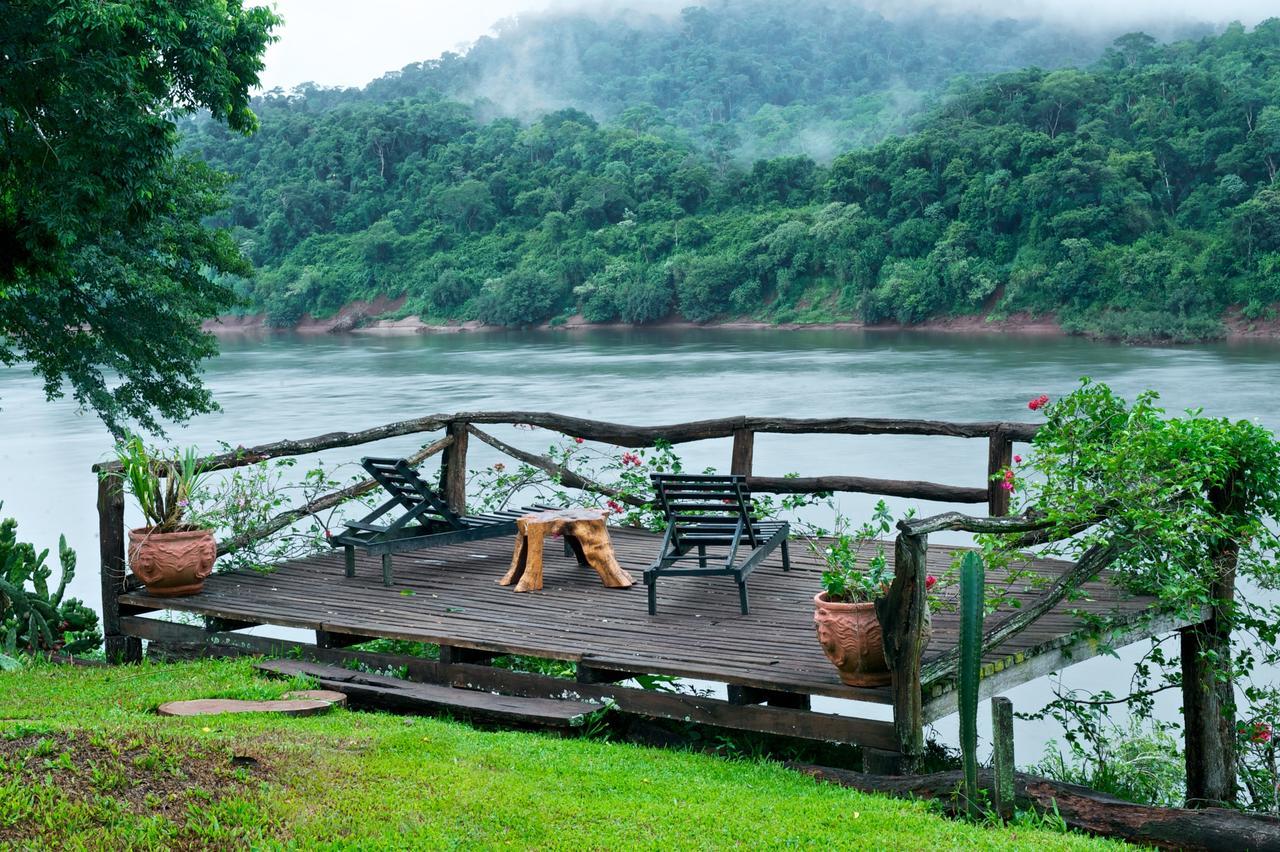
389 693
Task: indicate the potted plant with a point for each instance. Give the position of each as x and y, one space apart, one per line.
170 555
845 610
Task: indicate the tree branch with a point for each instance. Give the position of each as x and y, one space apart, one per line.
565 475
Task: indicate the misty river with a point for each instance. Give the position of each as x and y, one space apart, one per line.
290 386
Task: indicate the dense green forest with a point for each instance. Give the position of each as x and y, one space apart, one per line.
1133 198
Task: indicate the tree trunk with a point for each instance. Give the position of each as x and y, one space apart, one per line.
1083 809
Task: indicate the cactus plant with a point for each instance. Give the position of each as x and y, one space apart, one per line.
971 603
34 618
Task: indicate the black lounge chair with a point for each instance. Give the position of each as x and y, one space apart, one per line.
711 511
427 520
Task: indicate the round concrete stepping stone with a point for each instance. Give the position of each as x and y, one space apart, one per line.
216 706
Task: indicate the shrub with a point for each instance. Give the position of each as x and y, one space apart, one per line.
522 297
33 618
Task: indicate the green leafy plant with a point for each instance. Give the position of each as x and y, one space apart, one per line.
244 507
33 617
1139 761
971 606
844 578
1185 508
162 484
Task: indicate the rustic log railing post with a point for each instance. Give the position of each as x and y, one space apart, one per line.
902 617
453 467
744 447
1208 694
999 457
118 647
1002 765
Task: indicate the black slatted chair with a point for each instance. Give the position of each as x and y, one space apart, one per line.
711 511
427 520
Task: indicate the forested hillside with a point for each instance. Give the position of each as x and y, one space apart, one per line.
1132 198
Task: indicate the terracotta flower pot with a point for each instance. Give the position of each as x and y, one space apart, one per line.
850 635
174 563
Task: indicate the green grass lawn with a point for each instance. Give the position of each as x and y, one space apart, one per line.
84 762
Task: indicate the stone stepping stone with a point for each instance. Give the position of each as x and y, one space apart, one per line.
308 702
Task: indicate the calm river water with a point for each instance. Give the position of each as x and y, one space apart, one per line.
286 386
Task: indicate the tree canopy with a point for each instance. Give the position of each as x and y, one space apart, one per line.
1134 197
106 269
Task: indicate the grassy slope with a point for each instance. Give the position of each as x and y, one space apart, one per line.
84 765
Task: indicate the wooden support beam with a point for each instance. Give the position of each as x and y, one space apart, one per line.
452 655
222 625
999 457
742 695
328 639
453 468
1208 692
591 674
1044 659
744 447
902 617
879 762
1002 756
112 569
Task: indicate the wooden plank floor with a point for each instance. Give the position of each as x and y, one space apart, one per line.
450 596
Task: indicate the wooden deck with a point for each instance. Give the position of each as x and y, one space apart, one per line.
450 596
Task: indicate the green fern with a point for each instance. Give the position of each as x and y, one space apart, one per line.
971 601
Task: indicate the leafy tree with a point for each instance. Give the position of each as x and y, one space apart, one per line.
105 268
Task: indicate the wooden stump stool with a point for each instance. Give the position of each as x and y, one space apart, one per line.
584 531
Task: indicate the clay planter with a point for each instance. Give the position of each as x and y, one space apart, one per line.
851 637
172 564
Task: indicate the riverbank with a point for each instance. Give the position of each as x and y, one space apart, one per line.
89 764
372 317
363 317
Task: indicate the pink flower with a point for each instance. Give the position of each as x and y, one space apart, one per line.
1039 402
328 534
929 582
577 440
614 506
1007 485
1017 459
1261 732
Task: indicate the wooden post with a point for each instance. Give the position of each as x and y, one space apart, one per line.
118 647
999 457
1002 755
453 468
902 620
744 447
1208 696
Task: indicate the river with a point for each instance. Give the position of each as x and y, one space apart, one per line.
291 386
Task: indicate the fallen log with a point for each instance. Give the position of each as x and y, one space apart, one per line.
1082 809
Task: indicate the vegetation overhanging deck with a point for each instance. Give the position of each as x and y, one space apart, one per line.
449 596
